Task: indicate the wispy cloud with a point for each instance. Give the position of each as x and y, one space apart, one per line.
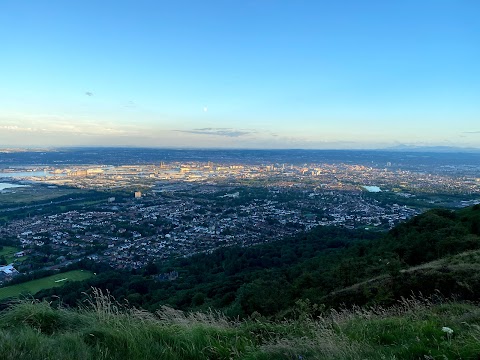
64 125
88 93
16 128
227 132
471 132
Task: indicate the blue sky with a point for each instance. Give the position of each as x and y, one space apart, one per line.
242 74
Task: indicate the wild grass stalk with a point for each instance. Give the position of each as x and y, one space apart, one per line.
104 329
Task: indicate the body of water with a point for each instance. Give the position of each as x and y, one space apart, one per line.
8 186
23 174
372 188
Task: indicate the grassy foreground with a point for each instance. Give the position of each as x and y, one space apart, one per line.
34 286
103 329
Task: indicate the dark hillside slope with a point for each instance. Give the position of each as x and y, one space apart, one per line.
435 234
225 278
438 253
332 266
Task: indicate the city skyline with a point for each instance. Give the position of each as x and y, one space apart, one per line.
250 74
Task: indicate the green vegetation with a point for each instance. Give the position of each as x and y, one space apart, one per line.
281 300
36 194
8 253
104 329
40 199
328 266
34 286
228 279
419 200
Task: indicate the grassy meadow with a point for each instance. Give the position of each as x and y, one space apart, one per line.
103 329
34 286
9 253
35 193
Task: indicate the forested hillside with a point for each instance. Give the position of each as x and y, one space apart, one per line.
326 266
292 299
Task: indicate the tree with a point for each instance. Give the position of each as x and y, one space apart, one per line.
151 269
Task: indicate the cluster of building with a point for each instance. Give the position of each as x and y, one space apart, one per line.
7 272
182 209
339 176
182 219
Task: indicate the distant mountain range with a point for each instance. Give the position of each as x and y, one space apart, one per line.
414 148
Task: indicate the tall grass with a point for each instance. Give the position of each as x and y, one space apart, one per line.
102 328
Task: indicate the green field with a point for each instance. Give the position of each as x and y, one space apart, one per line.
34 286
35 193
9 253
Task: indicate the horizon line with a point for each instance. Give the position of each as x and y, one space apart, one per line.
396 148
